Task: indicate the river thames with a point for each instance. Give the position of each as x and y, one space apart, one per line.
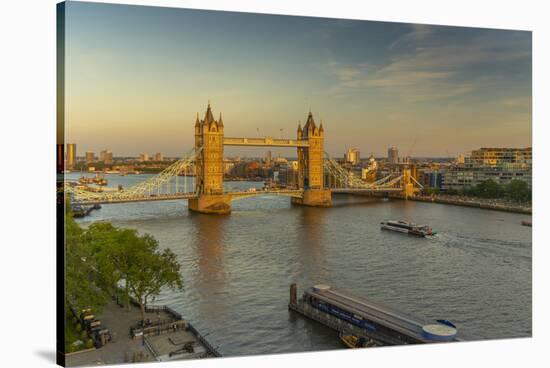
237 269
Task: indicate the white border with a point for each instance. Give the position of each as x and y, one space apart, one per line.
27 141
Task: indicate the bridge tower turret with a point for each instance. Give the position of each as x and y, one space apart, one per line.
311 166
209 166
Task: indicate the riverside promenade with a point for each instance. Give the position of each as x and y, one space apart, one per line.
125 349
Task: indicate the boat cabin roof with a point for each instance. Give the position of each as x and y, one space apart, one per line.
374 311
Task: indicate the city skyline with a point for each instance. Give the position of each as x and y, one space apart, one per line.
137 76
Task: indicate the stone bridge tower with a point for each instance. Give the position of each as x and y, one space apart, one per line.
209 166
311 166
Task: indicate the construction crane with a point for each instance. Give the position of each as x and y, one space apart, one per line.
411 148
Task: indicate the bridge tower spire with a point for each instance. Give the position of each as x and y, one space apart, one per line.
209 166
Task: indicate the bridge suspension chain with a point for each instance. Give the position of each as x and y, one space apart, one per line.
347 179
151 186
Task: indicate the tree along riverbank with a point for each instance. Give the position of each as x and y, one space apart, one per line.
484 203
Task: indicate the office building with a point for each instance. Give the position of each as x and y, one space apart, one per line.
500 157
90 157
499 164
108 158
352 156
368 173
393 155
431 178
460 178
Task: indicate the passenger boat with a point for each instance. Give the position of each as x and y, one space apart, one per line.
407 228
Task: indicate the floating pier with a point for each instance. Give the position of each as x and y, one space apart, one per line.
79 210
350 314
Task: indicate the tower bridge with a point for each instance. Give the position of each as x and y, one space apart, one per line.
209 147
208 194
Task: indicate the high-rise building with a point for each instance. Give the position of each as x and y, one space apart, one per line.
70 156
393 155
90 157
144 157
352 156
102 155
158 157
268 157
108 158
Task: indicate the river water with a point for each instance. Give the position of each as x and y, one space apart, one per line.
237 269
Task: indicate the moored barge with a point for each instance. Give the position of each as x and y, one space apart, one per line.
350 314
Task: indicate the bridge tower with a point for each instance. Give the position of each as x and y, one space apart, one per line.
209 166
310 166
408 187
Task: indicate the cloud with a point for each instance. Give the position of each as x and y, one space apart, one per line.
517 102
433 63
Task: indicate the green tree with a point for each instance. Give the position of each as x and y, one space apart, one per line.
151 271
489 189
102 257
431 191
105 243
470 191
518 190
451 191
116 251
80 273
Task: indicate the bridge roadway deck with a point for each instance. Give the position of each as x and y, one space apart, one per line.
235 195
176 196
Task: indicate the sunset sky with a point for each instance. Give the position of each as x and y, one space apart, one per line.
137 76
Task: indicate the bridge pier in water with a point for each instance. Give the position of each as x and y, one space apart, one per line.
214 204
314 198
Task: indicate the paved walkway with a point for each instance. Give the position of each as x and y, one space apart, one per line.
121 349
171 346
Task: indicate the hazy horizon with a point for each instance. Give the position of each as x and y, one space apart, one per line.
136 76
